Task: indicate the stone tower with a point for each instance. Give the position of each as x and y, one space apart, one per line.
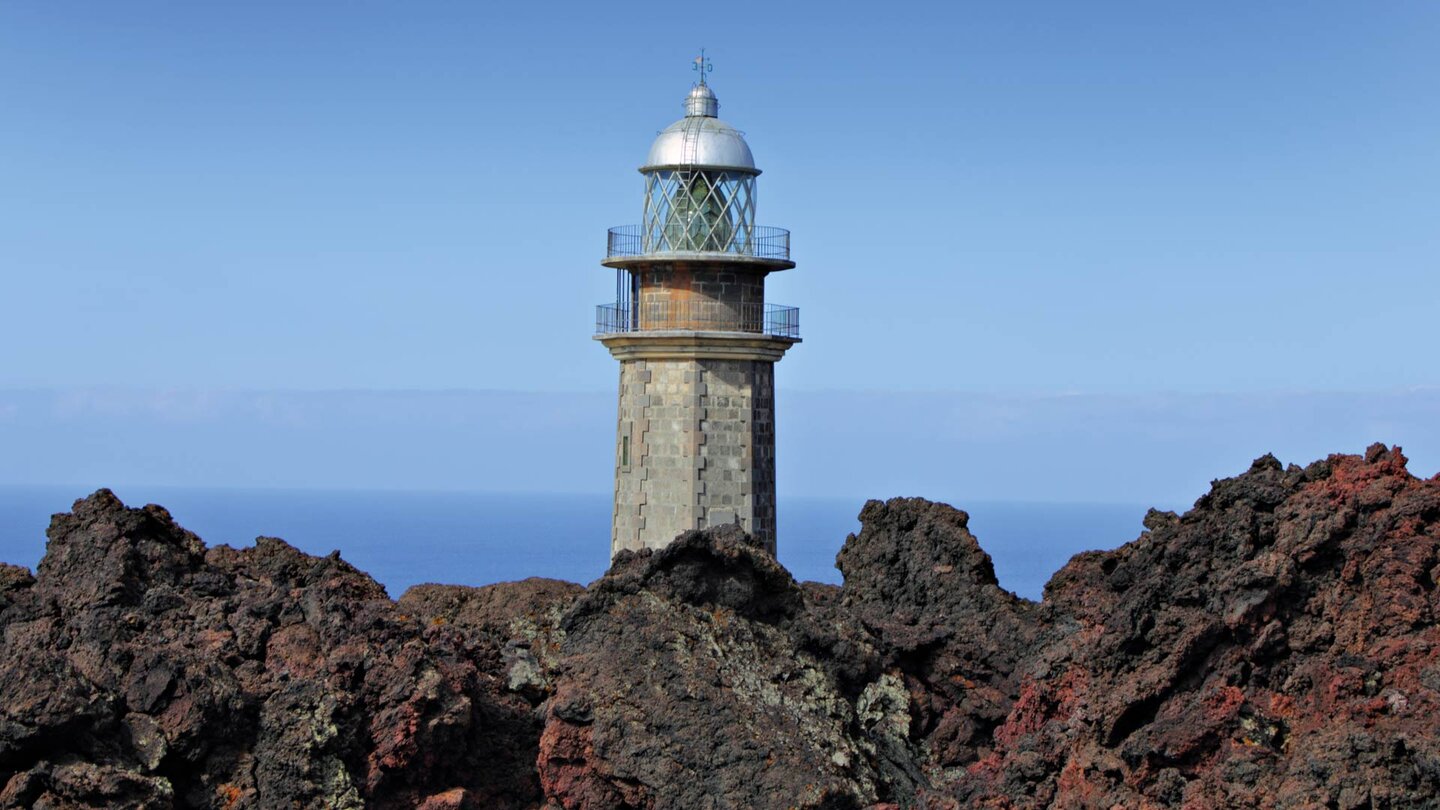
696 340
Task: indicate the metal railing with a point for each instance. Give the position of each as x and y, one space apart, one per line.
700 316
759 242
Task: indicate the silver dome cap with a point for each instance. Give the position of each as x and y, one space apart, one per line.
702 101
700 139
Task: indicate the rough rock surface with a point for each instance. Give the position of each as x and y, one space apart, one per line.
1274 647
139 669
684 684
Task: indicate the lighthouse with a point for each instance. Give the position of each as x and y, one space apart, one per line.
696 340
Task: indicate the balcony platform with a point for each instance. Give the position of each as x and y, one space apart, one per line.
709 317
763 248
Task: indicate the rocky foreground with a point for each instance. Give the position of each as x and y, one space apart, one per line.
1276 646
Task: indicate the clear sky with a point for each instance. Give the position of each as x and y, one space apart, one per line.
1100 251
1041 196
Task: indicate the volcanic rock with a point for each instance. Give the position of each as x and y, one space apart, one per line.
140 669
1274 647
681 686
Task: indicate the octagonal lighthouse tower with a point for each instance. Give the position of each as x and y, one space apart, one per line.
696 340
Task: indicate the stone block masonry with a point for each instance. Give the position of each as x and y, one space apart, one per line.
695 448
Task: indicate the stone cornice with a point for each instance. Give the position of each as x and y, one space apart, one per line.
689 345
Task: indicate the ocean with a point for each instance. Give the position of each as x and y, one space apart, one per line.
476 538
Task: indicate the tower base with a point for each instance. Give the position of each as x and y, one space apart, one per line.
695 444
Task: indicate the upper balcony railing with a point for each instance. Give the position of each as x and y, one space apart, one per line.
757 242
699 316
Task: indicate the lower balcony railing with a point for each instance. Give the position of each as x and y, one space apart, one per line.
699 316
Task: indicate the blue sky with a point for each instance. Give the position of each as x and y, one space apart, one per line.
1104 199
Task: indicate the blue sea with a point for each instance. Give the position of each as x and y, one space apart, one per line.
476 538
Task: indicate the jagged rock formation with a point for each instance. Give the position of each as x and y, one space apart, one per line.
1276 646
140 669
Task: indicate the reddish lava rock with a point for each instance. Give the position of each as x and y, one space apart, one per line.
1274 647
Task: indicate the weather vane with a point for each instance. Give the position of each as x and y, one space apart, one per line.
702 65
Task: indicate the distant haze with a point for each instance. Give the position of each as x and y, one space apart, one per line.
1160 449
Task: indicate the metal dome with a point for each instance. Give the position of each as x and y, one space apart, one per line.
700 139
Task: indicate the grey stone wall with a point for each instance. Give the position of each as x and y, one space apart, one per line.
695 447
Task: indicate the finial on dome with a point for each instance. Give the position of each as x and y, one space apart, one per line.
702 66
702 102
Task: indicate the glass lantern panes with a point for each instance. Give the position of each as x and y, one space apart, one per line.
699 210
